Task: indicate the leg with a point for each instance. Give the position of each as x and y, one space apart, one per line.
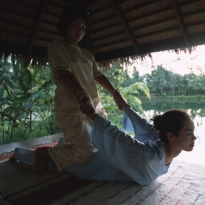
42 158
51 165
24 155
77 148
60 140
141 128
12 158
38 158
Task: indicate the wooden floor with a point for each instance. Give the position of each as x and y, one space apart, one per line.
6 148
183 184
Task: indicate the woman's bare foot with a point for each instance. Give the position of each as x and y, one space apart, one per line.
12 158
41 161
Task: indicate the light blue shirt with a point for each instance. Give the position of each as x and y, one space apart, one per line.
121 157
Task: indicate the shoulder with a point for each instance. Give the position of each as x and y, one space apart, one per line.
56 44
87 53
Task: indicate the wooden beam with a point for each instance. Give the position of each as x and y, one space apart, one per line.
180 21
36 26
125 25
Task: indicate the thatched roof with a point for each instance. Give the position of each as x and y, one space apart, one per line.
118 28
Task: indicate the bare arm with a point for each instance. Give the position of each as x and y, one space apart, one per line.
106 84
71 83
103 81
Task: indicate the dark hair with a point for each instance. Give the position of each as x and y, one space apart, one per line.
68 15
171 121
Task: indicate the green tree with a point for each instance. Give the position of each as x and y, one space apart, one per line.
157 81
128 88
25 92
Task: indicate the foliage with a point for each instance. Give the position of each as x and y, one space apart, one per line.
128 88
162 82
26 106
25 93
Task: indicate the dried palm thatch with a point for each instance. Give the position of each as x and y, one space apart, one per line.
118 28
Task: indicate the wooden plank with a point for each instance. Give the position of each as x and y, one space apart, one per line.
180 21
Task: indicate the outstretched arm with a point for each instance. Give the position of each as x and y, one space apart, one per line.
106 84
141 128
71 83
103 81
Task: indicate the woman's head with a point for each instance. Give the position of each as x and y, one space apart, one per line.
73 20
176 125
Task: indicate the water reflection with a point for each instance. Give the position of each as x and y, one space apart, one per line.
197 111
